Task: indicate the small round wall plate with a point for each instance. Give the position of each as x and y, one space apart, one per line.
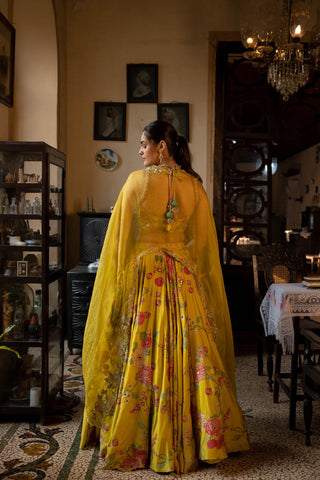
106 159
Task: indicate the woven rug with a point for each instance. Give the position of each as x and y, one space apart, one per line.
30 451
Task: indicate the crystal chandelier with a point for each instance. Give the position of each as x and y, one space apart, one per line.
271 31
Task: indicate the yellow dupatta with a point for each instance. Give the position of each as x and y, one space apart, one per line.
111 308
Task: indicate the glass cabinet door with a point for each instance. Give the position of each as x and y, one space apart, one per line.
32 272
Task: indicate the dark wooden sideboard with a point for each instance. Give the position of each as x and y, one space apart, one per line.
80 279
80 283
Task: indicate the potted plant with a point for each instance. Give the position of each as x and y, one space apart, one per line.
9 363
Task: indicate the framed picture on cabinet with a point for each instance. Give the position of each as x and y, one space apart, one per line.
7 48
109 121
142 83
177 114
22 268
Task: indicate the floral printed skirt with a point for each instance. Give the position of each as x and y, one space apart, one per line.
175 404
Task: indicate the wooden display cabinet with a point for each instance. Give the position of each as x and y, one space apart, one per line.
32 232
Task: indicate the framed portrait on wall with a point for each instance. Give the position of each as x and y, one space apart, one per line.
7 47
109 121
142 83
177 114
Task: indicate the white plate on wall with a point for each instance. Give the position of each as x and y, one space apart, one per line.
106 159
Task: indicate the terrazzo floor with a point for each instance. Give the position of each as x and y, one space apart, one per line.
32 452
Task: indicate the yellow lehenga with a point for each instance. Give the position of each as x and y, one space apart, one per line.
158 359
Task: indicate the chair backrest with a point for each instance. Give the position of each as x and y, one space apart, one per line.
276 263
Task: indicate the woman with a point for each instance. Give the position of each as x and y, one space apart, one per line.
158 358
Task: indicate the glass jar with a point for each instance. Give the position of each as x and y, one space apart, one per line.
27 208
56 208
36 206
13 206
22 203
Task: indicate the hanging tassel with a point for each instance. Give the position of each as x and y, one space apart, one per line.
172 206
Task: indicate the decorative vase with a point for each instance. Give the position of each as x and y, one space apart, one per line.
33 327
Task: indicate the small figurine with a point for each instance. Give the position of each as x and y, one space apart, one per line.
9 178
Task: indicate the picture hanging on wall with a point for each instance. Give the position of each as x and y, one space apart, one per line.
177 114
142 83
7 46
109 121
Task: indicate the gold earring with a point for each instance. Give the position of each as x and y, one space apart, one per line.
160 157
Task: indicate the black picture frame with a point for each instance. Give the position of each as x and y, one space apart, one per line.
109 121
142 83
177 114
7 53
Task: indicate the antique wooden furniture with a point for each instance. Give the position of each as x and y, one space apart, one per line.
310 378
275 263
32 177
286 309
80 279
93 228
80 283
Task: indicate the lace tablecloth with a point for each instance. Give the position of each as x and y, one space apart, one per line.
282 302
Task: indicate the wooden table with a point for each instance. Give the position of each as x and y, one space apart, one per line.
282 309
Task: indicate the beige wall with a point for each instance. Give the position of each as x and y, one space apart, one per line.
35 101
102 37
307 183
4 111
34 114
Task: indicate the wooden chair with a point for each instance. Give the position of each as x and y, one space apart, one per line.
282 264
275 263
310 378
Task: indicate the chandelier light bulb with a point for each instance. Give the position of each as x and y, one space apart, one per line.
297 28
249 38
265 35
250 42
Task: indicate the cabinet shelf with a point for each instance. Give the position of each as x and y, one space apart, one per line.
53 275
24 342
27 248
29 342
20 408
28 216
37 160
15 279
24 187
6 216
